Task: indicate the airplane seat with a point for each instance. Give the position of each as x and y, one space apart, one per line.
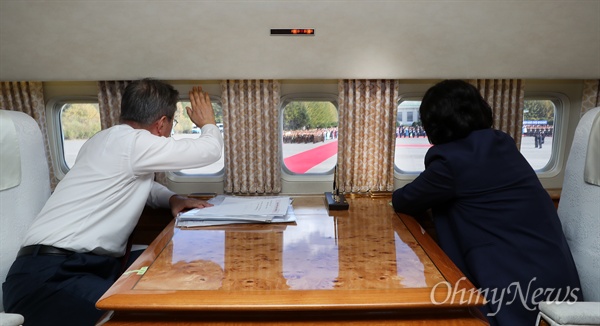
579 212
24 188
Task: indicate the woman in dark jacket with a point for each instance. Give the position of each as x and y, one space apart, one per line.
492 216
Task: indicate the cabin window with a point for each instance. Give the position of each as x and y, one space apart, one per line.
538 131
410 117
78 122
309 136
539 119
411 141
185 128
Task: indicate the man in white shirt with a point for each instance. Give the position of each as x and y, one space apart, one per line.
72 253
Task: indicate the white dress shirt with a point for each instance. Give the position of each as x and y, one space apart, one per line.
98 203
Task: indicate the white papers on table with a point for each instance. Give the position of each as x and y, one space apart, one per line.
253 208
231 210
288 218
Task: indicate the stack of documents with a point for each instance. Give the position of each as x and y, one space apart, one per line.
234 210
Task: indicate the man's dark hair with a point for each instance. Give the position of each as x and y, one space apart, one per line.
147 100
451 109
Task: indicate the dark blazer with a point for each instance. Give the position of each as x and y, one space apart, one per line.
496 222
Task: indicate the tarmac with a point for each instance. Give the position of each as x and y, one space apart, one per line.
409 158
409 155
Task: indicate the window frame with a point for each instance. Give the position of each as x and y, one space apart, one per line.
561 104
303 97
179 177
55 132
399 173
56 141
561 121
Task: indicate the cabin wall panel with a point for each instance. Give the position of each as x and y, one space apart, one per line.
291 184
96 40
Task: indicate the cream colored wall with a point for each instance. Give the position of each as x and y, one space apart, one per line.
214 40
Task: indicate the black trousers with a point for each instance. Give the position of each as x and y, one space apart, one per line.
59 290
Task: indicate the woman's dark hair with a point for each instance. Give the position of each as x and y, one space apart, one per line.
451 109
147 100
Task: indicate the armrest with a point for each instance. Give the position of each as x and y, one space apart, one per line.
7 319
575 313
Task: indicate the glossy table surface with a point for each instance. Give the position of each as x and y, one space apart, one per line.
367 258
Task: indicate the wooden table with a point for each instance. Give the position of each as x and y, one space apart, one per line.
364 266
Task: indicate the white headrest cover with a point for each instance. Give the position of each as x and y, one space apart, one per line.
591 172
10 156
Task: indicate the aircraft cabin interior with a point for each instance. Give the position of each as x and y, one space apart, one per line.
318 102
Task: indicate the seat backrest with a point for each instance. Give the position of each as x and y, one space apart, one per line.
25 179
579 206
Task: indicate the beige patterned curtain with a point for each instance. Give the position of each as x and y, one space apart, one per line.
28 97
507 98
252 152
591 95
367 110
109 101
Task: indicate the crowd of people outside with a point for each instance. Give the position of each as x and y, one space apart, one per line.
304 136
539 132
410 132
309 136
532 130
